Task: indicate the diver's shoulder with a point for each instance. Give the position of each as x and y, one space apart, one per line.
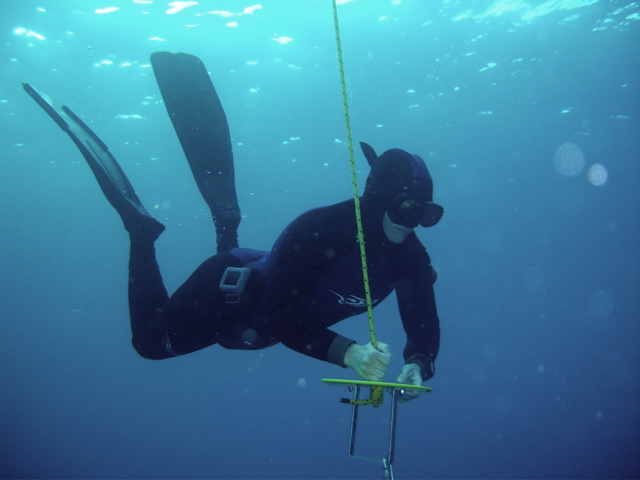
413 246
335 212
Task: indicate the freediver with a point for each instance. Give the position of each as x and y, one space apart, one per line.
312 277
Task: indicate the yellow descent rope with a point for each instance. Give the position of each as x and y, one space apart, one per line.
376 392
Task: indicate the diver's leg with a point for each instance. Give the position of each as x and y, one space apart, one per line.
195 317
147 297
147 293
196 314
201 124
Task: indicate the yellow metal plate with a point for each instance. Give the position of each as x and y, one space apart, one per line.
398 386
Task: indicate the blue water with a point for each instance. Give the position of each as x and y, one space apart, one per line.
528 117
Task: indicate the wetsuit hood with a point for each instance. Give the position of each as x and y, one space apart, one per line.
400 184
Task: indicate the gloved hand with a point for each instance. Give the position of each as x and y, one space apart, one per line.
411 375
368 362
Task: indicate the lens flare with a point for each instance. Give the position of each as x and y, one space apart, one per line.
568 159
597 175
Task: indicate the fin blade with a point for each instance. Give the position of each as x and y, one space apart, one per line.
201 125
46 104
110 176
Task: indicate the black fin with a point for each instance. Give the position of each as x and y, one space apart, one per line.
201 124
112 180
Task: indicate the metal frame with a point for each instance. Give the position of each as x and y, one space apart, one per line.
387 460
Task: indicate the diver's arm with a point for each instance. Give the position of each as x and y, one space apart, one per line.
417 306
300 258
422 327
368 361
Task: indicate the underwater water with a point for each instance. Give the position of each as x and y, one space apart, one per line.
527 114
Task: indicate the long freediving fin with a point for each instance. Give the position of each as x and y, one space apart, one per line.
201 125
112 180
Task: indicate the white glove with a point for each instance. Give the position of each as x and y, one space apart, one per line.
410 375
368 362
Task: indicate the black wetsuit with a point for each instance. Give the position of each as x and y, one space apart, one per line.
310 280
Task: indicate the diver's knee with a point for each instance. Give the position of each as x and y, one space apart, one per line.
151 350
